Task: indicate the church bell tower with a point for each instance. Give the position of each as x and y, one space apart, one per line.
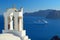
13 23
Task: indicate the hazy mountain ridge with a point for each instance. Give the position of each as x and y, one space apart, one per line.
45 13
54 14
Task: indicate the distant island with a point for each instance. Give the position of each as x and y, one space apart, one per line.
45 13
49 13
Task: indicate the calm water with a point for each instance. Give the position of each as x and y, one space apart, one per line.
39 31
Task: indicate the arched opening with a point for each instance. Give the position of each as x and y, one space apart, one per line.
9 23
13 21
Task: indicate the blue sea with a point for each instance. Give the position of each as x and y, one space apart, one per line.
38 31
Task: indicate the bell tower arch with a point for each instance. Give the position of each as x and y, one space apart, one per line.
13 23
8 20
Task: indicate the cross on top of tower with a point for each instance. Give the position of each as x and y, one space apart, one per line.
14 7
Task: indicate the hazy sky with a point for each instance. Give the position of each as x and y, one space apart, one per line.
30 5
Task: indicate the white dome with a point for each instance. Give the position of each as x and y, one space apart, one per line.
8 37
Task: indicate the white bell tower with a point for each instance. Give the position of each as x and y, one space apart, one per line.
13 23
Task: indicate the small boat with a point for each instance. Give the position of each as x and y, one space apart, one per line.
45 21
40 22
